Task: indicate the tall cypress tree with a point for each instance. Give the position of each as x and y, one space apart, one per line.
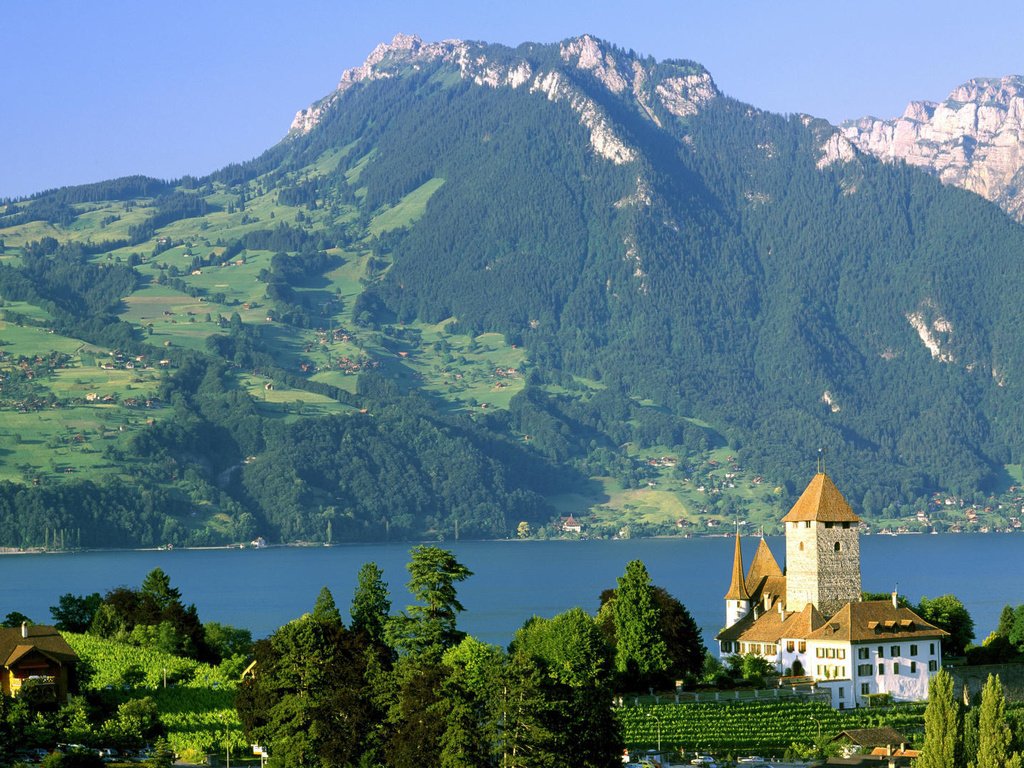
940 724
993 733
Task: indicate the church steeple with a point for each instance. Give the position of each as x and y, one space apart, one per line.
738 586
737 599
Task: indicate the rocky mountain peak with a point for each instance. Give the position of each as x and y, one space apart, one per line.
974 139
679 89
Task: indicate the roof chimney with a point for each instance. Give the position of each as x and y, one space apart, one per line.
24 629
895 604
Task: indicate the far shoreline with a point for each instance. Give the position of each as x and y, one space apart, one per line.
15 551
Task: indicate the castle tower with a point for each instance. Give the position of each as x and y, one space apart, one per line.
822 549
737 599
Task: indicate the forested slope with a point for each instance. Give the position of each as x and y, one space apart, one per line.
481 286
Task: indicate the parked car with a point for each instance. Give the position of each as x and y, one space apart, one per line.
751 760
705 760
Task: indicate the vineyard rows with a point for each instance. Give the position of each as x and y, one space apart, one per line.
755 726
197 706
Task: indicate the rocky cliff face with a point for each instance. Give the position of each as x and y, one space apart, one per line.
974 139
671 88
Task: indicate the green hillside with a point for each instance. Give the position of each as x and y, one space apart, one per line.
447 309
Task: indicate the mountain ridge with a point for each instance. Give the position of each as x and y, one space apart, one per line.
974 139
653 285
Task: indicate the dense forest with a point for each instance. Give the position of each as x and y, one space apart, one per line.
728 287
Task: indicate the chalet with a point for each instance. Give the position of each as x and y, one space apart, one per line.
35 656
811 621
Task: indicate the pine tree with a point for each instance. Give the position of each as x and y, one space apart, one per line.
940 724
993 733
370 604
325 609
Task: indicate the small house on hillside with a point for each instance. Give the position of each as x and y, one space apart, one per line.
571 525
35 657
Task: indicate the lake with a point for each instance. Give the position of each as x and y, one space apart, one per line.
513 580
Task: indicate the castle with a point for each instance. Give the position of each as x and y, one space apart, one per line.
811 622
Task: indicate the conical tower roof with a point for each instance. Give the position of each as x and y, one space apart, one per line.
737 587
763 565
821 501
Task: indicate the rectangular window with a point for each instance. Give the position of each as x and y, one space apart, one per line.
863 653
913 650
865 689
790 645
881 652
894 651
841 653
846 526
933 666
807 523
819 652
830 653
820 672
913 667
801 646
931 648
828 525
842 693
864 670
896 668
881 669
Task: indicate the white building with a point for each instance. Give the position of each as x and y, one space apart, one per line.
811 620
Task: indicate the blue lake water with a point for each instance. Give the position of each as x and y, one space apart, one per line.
513 580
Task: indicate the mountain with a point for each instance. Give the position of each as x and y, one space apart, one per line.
974 139
475 287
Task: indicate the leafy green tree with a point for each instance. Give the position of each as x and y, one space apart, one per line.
417 717
74 613
526 716
226 641
371 606
15 619
576 665
940 724
469 694
993 732
640 653
948 613
429 626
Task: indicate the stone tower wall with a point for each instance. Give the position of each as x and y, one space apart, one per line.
816 573
801 566
838 572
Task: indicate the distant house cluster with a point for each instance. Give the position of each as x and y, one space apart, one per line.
811 622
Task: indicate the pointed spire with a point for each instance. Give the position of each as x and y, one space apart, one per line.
821 500
738 587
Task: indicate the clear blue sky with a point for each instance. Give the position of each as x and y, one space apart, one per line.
94 90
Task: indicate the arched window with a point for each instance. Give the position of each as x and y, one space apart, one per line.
838 546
